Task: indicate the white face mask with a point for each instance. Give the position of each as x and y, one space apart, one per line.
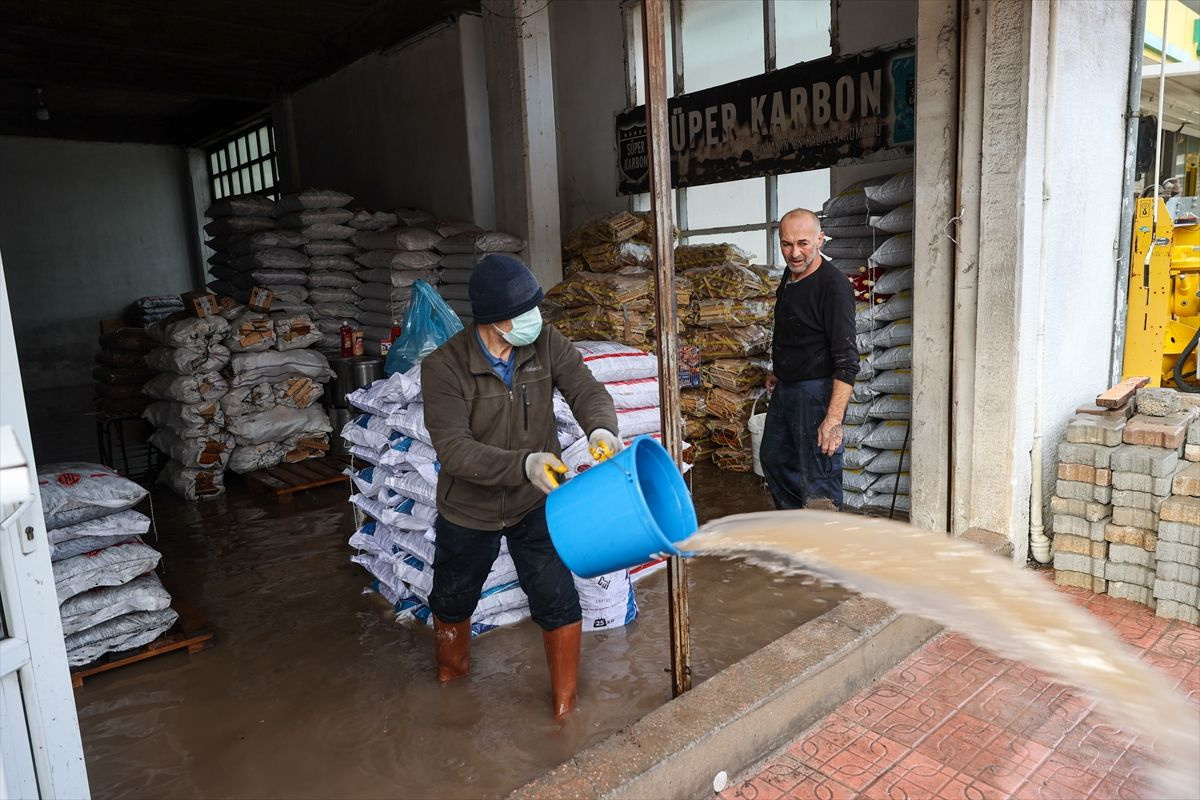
525 328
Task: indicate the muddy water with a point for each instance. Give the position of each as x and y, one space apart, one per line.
992 601
312 690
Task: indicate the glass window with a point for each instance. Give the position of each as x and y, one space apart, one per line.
722 42
242 156
636 53
253 142
801 31
723 205
753 242
802 190
243 163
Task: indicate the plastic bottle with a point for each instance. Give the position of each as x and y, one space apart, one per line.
347 339
357 342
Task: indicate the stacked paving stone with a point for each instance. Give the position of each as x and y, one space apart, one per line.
1177 578
1122 487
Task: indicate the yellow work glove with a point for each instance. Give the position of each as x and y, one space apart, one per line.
543 471
604 444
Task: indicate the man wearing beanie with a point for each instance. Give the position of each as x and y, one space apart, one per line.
489 409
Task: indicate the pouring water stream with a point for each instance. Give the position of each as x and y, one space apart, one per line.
995 603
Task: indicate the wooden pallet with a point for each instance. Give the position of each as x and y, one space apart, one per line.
189 633
285 480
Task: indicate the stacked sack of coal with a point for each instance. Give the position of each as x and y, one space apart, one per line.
121 372
109 597
189 423
396 499
389 262
462 246
317 260
249 251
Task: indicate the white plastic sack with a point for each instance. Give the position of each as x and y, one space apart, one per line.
112 566
76 491
125 632
329 294
486 242
636 393
397 239
340 311
250 368
311 198
330 247
186 419
382 291
399 259
410 421
295 332
193 484
210 451
188 360
280 258
609 361
387 394
279 277
414 485
86 609
277 424
315 216
364 220
186 388
188 332
248 458
242 205
337 263
332 279
119 525
406 452
368 430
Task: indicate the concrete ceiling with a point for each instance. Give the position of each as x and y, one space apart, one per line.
180 71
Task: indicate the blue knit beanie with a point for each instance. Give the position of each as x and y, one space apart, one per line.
501 288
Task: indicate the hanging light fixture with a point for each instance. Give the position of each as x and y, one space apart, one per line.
43 113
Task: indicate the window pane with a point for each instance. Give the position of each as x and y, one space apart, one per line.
264 142
214 163
722 42
246 183
268 174
803 190
254 146
801 31
225 185
636 54
753 242
231 148
256 177
223 160
216 189
242 155
722 205
237 183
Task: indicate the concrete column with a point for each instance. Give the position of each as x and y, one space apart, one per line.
933 262
479 127
524 151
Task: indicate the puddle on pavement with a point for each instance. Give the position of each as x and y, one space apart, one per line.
312 690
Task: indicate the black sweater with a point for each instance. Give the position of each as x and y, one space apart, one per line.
814 327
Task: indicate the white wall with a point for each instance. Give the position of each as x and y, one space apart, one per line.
391 129
85 230
588 50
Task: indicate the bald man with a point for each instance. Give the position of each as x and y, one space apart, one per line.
814 361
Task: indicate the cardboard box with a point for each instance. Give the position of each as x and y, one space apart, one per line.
201 302
260 299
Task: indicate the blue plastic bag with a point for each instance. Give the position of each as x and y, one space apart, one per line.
428 323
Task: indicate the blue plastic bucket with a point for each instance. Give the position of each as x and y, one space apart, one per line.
621 512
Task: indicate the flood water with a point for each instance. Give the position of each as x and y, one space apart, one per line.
313 691
996 603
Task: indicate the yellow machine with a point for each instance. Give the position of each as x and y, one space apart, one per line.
1163 322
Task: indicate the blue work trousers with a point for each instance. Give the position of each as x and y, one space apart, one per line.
796 470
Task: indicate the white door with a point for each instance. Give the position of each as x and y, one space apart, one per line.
40 751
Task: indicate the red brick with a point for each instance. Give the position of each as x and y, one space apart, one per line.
1120 412
1103 477
1077 472
1167 432
1119 395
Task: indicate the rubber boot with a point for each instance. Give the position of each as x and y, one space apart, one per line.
562 655
453 648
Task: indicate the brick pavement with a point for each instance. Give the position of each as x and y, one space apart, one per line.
955 722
